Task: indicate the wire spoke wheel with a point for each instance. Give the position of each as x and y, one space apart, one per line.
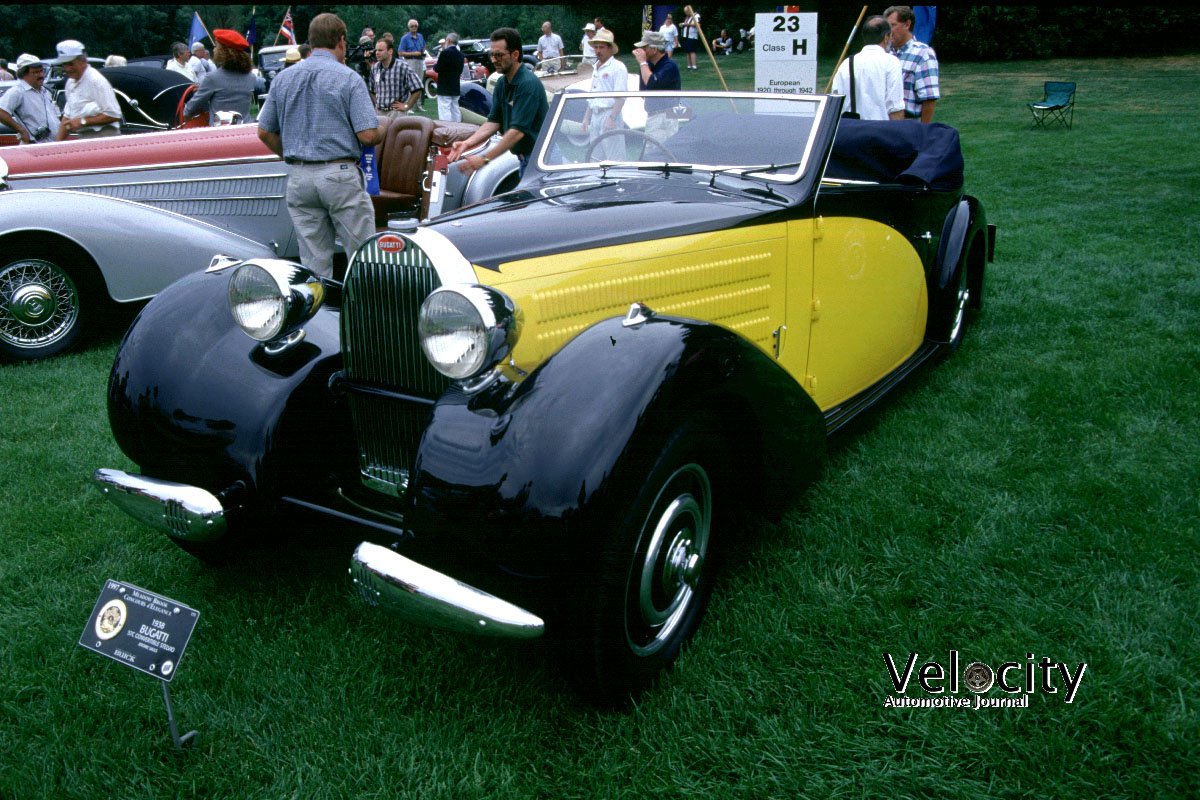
39 308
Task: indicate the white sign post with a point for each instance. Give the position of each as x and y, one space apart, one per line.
785 53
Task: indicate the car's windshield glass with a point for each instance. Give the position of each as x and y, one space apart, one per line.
273 60
706 131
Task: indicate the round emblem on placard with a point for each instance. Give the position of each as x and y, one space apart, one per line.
978 677
390 244
111 619
168 667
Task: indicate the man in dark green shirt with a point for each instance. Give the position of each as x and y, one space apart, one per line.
518 108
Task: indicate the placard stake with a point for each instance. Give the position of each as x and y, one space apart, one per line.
180 741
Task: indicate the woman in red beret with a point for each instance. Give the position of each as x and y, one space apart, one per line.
231 86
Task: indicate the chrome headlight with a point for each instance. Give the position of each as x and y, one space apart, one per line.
466 330
269 298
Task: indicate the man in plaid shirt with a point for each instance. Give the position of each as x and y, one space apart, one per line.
394 87
918 62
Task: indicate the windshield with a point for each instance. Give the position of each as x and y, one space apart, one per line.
273 61
738 132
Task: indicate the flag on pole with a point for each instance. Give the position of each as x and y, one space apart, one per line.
198 30
287 29
252 31
925 18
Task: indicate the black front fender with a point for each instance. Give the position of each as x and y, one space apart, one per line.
523 473
192 399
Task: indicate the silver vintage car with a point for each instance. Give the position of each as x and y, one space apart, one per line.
122 217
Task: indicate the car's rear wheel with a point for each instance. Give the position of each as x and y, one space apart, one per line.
430 87
41 309
956 318
654 574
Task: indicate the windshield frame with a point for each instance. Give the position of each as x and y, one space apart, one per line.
805 160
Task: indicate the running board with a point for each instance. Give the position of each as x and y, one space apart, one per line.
840 415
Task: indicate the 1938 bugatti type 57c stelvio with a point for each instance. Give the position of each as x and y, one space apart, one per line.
543 409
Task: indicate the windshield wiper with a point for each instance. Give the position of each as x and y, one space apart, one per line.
742 171
667 169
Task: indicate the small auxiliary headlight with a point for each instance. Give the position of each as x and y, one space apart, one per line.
466 330
269 299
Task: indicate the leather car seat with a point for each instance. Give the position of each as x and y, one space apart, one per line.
402 162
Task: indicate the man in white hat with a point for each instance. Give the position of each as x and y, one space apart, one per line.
585 44
28 107
91 108
603 115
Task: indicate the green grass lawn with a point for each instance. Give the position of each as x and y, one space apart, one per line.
1035 494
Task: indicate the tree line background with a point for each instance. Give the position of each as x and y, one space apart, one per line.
963 33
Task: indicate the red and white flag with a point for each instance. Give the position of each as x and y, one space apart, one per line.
287 30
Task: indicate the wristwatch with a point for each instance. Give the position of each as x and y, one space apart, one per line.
485 158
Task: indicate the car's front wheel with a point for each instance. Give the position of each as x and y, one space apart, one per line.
430 87
41 312
655 573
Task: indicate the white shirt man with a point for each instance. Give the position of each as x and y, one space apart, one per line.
28 108
199 63
92 108
550 45
179 62
878 81
604 113
585 44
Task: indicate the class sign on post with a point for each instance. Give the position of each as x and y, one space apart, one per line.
785 53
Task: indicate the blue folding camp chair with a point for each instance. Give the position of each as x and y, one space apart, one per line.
1058 105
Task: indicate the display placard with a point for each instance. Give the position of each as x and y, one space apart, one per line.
785 53
140 629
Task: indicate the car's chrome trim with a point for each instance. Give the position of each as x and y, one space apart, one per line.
181 511
430 598
145 167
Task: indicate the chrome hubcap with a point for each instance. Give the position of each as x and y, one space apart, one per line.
666 576
38 303
32 305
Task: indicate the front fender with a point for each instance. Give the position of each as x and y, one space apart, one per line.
192 399
524 473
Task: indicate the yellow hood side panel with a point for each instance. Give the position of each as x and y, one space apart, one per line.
870 307
732 278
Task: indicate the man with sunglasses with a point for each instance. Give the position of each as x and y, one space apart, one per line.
518 108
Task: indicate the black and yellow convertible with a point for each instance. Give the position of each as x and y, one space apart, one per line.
542 410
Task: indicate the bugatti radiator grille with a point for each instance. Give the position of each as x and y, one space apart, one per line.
381 299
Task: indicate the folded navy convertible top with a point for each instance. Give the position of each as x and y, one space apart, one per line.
897 151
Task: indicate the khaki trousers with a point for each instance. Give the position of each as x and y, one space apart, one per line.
324 200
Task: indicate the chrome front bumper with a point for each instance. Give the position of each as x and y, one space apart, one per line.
429 598
181 511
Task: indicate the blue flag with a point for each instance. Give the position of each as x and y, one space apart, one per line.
252 32
924 19
198 31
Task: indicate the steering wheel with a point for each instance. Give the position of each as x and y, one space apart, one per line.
628 132
194 121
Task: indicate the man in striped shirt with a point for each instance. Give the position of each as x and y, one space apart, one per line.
918 62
